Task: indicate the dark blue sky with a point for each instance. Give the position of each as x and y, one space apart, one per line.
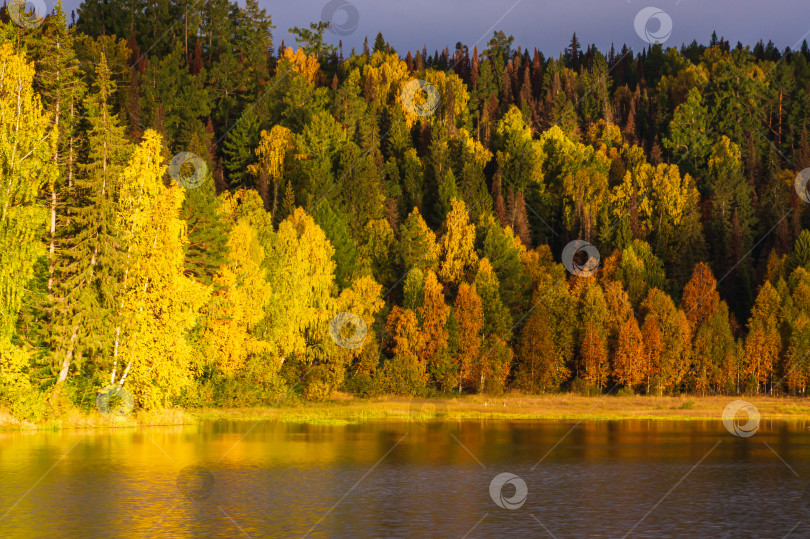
546 24
549 24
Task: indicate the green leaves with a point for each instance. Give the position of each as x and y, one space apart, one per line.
27 144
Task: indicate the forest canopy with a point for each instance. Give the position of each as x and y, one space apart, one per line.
392 222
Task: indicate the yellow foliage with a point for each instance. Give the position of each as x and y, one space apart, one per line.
403 327
301 276
474 150
457 246
238 304
604 135
362 299
374 249
27 145
274 149
159 304
385 73
308 66
448 83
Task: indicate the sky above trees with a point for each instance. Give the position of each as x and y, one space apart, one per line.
546 24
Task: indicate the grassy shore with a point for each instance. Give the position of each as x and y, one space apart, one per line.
343 409
550 407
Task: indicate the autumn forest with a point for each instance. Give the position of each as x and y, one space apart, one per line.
207 216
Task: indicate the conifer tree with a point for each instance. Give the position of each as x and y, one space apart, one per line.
497 320
60 86
417 243
715 354
90 261
500 248
336 227
207 230
731 226
239 147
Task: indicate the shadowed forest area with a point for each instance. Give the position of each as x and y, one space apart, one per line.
346 229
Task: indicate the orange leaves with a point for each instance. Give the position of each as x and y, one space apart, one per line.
764 343
470 315
700 297
433 313
629 360
403 327
595 365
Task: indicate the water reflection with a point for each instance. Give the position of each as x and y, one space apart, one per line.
596 479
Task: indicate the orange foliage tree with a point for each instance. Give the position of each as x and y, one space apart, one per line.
630 358
470 315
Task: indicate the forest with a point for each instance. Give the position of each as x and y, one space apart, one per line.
207 218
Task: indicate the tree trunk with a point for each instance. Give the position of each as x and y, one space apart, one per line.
115 353
52 247
68 355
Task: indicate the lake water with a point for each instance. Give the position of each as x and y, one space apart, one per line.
390 479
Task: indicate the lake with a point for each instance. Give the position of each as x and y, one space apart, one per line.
398 479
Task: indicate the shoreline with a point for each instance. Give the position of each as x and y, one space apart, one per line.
344 409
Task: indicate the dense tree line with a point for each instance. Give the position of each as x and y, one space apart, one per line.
328 192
